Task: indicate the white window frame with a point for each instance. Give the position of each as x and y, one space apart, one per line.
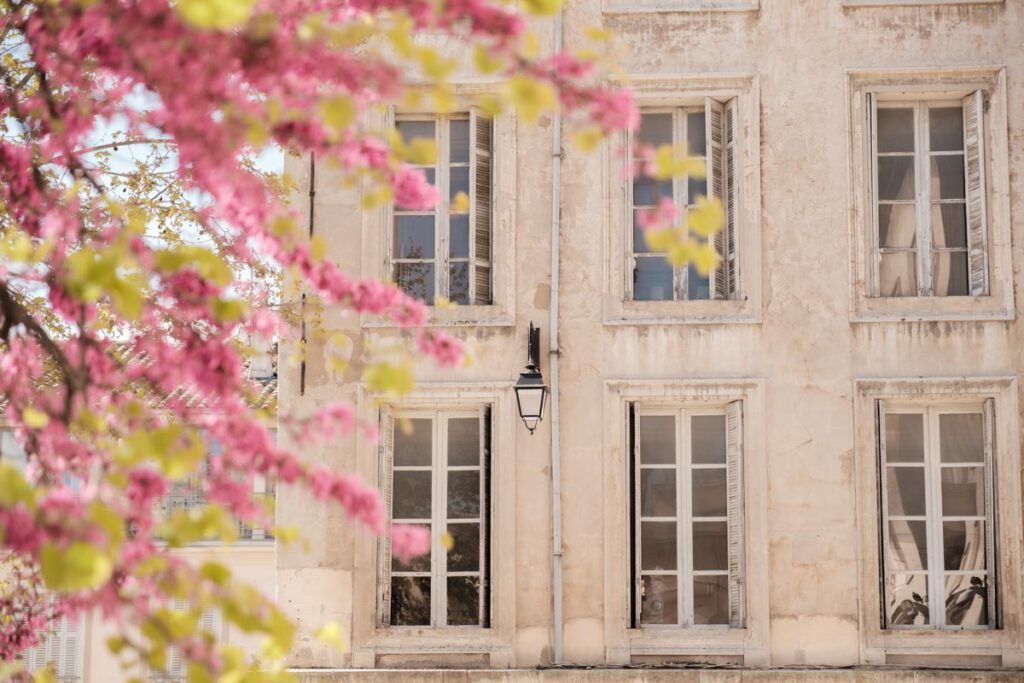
642 6
994 299
68 657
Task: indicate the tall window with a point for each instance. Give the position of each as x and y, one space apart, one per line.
930 197
687 516
437 476
60 649
446 252
708 132
937 506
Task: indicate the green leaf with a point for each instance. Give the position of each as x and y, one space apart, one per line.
338 112
389 379
215 14
34 418
81 566
531 97
215 572
542 8
14 488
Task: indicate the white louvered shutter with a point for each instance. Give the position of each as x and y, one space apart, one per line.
731 175
734 493
991 553
69 666
977 223
880 511
481 207
387 456
176 669
486 468
714 121
874 253
387 269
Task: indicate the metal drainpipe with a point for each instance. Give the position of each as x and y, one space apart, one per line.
556 457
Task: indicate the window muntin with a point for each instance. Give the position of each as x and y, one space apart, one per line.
687 517
936 493
446 252
438 477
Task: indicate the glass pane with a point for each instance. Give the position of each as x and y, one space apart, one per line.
908 545
659 600
905 490
898 275
431 174
657 545
710 545
966 600
420 563
463 601
657 436
895 130
414 236
946 128
904 437
658 492
465 553
411 495
458 283
908 600
947 174
652 279
961 437
696 136
412 442
963 491
963 545
698 287
897 225
416 280
949 226
415 129
648 192
950 276
463 441
895 178
458 181
711 600
458 241
640 245
696 187
463 495
410 601
458 141
655 130
707 439
709 497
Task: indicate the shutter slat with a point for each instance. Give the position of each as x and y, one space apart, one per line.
991 552
974 162
387 454
486 512
731 200
481 207
880 512
734 495
714 117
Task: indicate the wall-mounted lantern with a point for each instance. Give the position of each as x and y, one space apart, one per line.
530 389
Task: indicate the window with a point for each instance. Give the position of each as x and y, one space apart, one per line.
60 649
708 132
446 252
687 516
437 475
936 497
930 198
177 666
10 450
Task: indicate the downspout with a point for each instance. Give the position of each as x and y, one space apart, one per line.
556 456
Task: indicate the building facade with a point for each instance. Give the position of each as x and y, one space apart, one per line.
810 457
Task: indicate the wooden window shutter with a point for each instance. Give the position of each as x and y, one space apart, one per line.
871 219
714 122
68 667
387 456
486 512
481 206
974 161
730 252
211 622
387 269
734 496
880 511
992 552
175 658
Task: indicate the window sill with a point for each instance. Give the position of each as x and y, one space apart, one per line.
451 640
683 313
661 6
911 309
458 316
917 3
705 640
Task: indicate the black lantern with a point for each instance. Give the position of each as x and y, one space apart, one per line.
530 389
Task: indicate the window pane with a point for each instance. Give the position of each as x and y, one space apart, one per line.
458 181
710 545
657 436
410 601
908 545
458 241
947 174
465 553
458 283
411 495
949 226
640 245
652 279
414 236
655 130
698 286
897 226
707 439
895 130
463 601
696 136
898 274
458 139
905 490
658 492
963 545
908 600
961 438
463 495
420 563
657 545
950 273
463 441
709 497
946 128
904 437
415 129
711 600
659 601
895 178
966 600
963 491
412 442
648 192
416 280
696 187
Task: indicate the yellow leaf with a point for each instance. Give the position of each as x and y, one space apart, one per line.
215 14
531 97
330 634
448 541
34 418
442 303
460 204
706 219
542 7
485 62
659 240
588 138
389 379
531 46
490 104
44 675
680 253
78 567
705 259
338 112
420 151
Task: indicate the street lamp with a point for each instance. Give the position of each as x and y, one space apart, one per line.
530 389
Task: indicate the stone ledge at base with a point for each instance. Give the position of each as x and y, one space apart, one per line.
663 675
